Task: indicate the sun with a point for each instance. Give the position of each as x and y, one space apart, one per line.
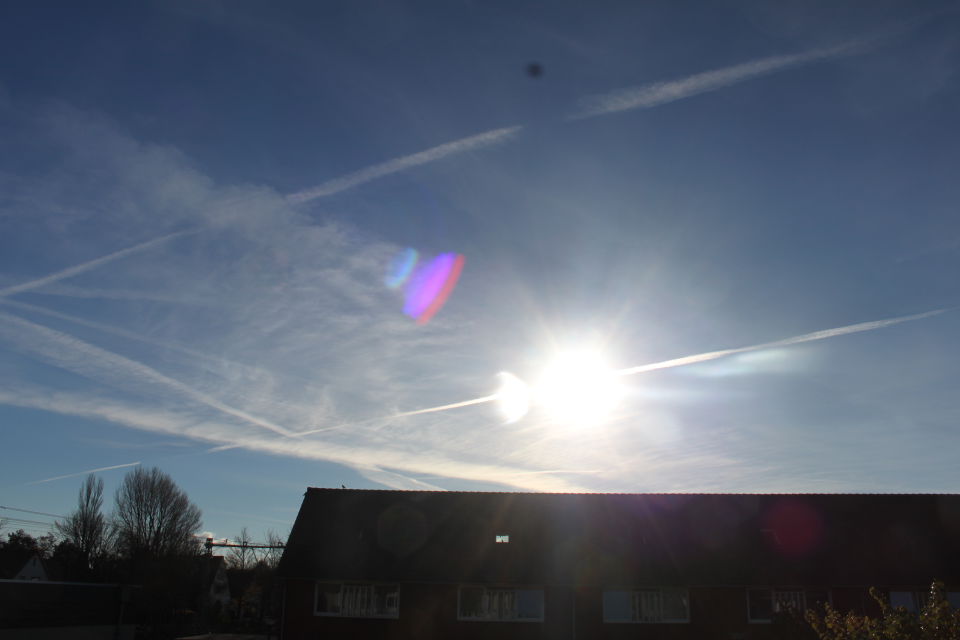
578 388
513 397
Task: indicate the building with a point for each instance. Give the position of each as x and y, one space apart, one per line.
32 570
50 610
424 564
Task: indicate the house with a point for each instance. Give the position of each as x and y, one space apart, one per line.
32 570
214 576
421 564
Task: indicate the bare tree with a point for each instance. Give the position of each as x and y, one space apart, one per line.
243 556
153 517
272 556
86 528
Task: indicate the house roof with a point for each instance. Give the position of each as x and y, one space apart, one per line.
625 539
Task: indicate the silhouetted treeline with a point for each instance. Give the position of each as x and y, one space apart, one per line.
150 541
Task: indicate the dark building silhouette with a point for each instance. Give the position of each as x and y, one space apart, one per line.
424 564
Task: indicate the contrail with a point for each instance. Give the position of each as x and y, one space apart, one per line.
666 364
81 357
416 412
87 266
131 335
83 473
641 97
807 337
444 407
336 185
652 95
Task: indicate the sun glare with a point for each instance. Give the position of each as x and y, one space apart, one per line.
513 397
579 389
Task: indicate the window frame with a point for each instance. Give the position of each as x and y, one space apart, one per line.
635 595
921 596
343 584
501 589
916 597
775 603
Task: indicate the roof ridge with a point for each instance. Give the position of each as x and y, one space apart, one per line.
646 493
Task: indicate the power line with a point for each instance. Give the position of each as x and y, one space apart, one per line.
37 513
22 521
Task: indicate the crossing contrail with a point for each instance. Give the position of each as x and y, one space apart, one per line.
70 353
87 266
640 97
131 335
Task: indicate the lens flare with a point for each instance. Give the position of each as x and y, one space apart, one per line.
431 285
401 267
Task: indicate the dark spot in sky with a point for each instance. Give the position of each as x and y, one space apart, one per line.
534 69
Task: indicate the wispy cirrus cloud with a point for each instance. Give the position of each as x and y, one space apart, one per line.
165 345
90 361
305 302
384 464
62 290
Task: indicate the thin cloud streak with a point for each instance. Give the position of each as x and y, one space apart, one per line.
445 407
87 266
652 95
131 335
807 337
625 99
404 414
364 458
83 473
68 291
81 357
666 364
336 185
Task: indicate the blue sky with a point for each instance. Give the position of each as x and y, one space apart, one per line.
199 203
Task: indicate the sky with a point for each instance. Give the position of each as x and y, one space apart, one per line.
741 216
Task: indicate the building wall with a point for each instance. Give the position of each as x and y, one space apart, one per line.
27 604
430 611
101 632
426 611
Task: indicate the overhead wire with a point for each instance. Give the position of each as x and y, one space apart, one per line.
37 513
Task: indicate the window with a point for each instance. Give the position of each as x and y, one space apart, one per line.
906 599
762 604
482 603
915 600
357 600
660 604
